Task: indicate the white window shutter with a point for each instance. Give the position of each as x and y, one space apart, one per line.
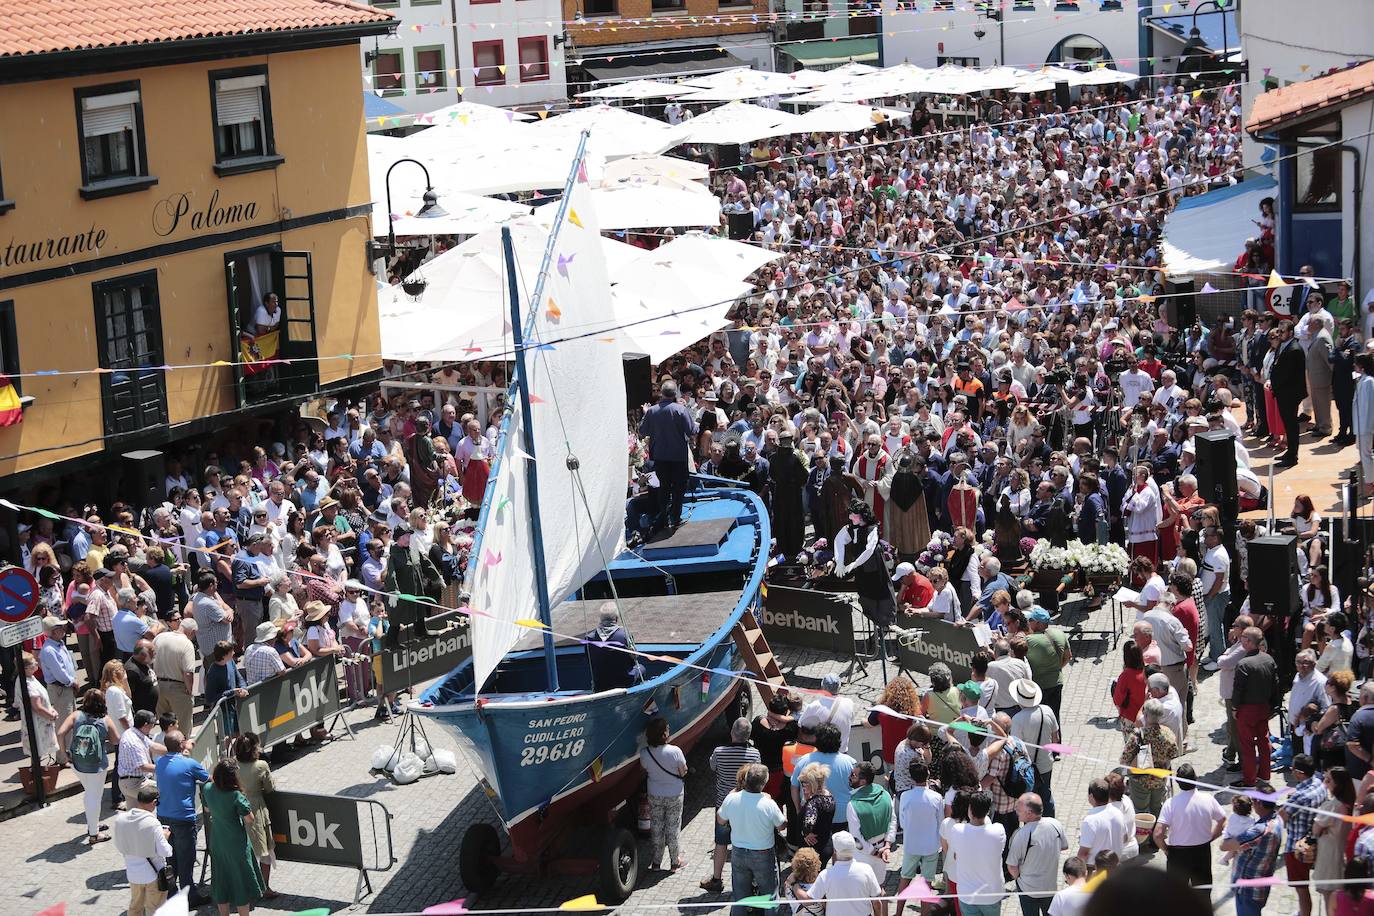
238 106
113 120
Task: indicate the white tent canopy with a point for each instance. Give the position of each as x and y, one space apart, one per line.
468 214
662 300
1208 232
636 89
614 131
476 161
472 113
846 117
1106 76
738 122
652 169
649 206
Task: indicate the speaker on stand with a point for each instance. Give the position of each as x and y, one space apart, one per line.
1061 95
1273 565
727 155
1216 472
1181 303
740 225
639 380
142 474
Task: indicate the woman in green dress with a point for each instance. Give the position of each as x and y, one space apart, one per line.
235 879
255 778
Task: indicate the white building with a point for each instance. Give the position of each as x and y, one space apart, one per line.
500 52
1030 33
1319 127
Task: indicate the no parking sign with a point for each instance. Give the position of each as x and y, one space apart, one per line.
18 594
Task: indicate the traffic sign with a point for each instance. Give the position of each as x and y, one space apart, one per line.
18 594
16 633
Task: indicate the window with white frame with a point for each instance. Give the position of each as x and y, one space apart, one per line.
111 135
243 117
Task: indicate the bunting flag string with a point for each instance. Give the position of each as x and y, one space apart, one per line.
529 623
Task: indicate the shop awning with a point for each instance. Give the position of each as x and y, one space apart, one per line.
1208 232
686 63
839 51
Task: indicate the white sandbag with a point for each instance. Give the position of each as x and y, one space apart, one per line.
385 757
446 760
408 770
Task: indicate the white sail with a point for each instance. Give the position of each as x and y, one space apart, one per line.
578 406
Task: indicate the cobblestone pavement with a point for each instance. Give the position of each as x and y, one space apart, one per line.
47 861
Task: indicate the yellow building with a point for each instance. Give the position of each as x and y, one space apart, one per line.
164 167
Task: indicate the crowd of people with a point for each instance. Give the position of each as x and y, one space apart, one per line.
966 355
964 352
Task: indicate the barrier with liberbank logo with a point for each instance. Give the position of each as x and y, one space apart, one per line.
422 658
330 830
282 707
809 619
942 642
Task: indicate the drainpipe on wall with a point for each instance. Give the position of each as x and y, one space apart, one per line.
458 67
1145 40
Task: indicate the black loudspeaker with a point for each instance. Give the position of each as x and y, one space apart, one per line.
639 379
1273 565
727 155
1061 95
1216 470
1348 551
143 474
741 225
1181 304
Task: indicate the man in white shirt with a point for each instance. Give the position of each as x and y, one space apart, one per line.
1188 824
1169 394
920 811
846 883
1072 900
978 847
1135 382
1158 687
1216 590
142 840
1035 725
1103 827
1309 686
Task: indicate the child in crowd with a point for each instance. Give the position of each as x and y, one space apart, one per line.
1241 818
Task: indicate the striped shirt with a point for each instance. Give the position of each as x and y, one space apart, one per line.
134 754
261 661
100 609
725 763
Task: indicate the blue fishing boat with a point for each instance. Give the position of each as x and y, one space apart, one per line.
555 740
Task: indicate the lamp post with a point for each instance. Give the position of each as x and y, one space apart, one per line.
1195 46
430 209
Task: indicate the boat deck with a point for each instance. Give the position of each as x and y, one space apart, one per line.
651 620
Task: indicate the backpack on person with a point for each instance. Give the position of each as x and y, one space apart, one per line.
1020 777
88 747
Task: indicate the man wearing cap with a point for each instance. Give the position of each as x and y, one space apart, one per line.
1048 654
252 568
101 608
670 429
59 673
914 591
849 885
1036 725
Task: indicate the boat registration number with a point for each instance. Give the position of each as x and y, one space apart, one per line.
533 756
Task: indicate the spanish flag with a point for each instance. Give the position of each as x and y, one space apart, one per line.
259 353
11 412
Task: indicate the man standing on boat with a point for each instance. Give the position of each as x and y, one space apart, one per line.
670 429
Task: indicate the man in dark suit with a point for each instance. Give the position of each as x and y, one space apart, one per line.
1288 379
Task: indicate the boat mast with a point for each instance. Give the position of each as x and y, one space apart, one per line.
541 585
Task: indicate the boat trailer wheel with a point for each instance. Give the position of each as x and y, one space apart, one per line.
476 858
619 864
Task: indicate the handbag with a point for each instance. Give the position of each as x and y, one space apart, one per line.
166 878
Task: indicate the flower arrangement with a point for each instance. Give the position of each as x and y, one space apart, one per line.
1046 556
935 552
1092 559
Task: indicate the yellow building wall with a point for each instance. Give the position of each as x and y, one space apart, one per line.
317 124
614 30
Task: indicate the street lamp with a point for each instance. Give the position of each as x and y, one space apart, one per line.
1195 46
430 209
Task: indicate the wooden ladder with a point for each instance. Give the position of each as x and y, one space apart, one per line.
757 656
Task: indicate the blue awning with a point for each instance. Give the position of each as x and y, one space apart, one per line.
376 107
1209 26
